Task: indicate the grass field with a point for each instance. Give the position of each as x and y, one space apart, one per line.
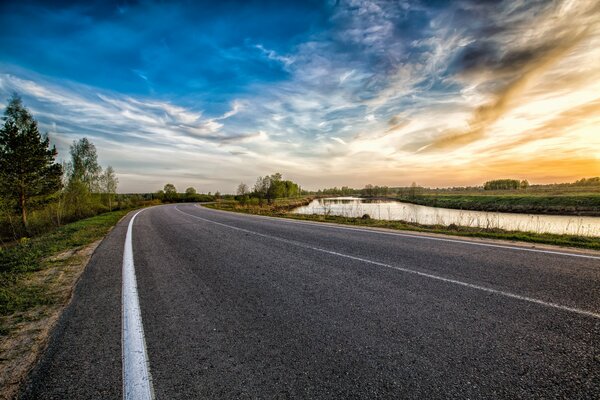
282 207
583 203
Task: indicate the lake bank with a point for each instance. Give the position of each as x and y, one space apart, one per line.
392 210
578 204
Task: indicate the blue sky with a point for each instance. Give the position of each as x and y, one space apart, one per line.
208 94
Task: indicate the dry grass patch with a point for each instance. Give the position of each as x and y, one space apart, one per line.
28 331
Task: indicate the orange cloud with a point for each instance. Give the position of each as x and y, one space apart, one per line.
557 126
506 98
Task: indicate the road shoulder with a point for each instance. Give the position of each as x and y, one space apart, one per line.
28 338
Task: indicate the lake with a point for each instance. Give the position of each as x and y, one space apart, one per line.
398 211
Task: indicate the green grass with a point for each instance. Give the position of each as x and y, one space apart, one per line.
569 204
541 238
19 261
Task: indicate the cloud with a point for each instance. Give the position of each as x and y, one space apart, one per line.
526 65
383 91
236 107
272 55
588 113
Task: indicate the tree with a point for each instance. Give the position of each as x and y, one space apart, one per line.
27 167
242 192
109 184
502 184
84 165
261 187
242 189
595 181
291 188
190 192
276 187
413 190
170 192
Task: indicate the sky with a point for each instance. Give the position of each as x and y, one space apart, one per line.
328 93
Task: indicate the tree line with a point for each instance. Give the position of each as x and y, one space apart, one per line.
505 184
37 192
169 194
269 188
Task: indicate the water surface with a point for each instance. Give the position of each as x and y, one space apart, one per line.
397 211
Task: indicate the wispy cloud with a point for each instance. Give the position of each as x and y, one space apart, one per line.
520 64
272 55
350 92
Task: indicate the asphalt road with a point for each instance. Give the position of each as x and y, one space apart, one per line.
238 306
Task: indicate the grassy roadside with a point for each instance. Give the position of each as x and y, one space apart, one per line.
282 210
37 276
533 203
19 261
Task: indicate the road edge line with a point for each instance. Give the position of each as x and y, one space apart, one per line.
137 381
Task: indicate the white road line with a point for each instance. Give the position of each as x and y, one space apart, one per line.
137 382
410 271
409 235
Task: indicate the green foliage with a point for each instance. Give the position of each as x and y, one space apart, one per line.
335 191
374 191
108 185
274 187
577 204
78 200
503 184
261 187
27 167
242 193
170 188
170 193
20 259
31 182
595 181
84 165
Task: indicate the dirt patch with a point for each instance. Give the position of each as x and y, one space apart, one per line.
29 331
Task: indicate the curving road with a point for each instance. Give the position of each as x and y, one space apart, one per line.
239 306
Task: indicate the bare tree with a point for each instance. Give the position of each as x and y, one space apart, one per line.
242 192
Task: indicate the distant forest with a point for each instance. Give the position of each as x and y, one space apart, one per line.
493 185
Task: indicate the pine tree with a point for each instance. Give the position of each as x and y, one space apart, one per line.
27 167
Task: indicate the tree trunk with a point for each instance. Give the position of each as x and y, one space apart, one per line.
23 210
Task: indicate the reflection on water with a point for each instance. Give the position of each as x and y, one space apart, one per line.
394 210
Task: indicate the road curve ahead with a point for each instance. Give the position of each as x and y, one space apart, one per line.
239 306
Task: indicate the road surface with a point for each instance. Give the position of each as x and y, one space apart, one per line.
241 306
